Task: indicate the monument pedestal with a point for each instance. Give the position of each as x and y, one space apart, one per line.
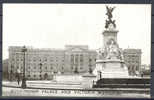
111 68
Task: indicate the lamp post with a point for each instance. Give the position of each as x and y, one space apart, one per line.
24 49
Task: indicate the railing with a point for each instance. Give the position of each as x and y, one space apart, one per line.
122 83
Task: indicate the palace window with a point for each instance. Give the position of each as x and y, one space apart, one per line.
90 60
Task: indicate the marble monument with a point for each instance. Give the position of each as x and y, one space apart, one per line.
110 62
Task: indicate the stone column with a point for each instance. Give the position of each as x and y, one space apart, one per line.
79 61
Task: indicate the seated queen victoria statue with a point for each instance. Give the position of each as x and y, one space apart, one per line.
113 51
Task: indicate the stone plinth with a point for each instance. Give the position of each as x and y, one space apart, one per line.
108 34
68 78
111 68
88 80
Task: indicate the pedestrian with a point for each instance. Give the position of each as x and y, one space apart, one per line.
18 76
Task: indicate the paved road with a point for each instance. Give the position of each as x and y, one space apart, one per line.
8 91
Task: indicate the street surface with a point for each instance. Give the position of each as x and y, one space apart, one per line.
7 91
52 89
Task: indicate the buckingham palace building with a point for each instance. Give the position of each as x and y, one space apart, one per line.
44 63
73 59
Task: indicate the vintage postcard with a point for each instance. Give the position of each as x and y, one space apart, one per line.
77 50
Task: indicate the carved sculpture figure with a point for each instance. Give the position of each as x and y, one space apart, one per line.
109 20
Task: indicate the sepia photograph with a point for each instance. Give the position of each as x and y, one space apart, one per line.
76 50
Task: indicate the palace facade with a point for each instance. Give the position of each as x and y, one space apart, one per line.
44 63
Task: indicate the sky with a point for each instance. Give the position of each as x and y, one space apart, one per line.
57 25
